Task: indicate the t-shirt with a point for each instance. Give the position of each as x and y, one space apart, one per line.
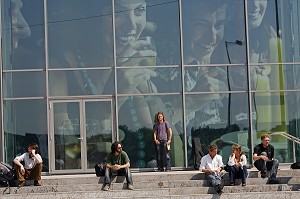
162 130
211 163
258 149
120 159
29 163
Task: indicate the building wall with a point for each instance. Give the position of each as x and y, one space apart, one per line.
77 75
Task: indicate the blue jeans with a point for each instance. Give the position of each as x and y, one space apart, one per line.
121 172
268 165
235 173
163 156
214 179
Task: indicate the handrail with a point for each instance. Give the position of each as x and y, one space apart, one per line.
288 136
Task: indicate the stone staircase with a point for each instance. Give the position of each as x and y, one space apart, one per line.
174 184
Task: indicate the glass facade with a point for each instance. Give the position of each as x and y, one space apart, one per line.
77 75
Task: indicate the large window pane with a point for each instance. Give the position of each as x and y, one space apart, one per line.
23 34
80 33
211 34
25 122
149 80
214 78
81 82
136 119
24 84
208 119
146 35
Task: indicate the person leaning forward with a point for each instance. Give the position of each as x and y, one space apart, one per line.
32 168
117 163
212 165
263 156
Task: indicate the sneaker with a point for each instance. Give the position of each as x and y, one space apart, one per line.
106 188
244 184
274 182
263 175
130 187
37 183
22 184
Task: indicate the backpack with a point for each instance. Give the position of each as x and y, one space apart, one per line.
100 170
295 165
7 175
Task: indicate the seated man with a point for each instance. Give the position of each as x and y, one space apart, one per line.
117 163
264 159
212 165
32 168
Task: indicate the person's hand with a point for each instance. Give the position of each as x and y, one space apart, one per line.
157 142
238 164
135 81
116 167
33 151
138 52
22 170
264 157
169 142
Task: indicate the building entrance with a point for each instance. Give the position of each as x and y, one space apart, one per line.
81 134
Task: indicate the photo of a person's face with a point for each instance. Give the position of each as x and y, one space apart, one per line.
203 30
256 12
20 28
130 20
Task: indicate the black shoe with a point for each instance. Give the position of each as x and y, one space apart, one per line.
232 184
274 182
159 170
244 184
263 175
219 188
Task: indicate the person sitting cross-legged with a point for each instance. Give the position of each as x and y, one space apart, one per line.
117 163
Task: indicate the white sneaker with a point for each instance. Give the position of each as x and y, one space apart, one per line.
106 188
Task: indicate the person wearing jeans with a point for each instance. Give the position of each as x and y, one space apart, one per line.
264 159
162 138
212 165
236 165
117 163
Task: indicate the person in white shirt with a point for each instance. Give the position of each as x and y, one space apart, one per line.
237 165
212 165
32 168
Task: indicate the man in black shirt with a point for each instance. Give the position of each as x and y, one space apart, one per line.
264 159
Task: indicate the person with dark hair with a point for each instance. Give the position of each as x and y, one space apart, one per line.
117 163
212 165
32 168
237 165
263 156
162 138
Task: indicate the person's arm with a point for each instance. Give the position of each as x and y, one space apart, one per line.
38 158
257 157
170 136
155 137
18 160
243 160
231 160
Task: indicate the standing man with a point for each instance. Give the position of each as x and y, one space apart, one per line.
264 159
32 168
212 165
117 163
162 138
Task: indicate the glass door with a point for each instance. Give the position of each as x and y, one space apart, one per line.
81 134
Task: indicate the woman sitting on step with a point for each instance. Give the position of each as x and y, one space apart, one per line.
236 165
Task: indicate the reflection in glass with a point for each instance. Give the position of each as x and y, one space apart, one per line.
21 36
211 124
24 84
80 33
67 136
80 82
203 29
20 129
135 45
137 133
98 131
